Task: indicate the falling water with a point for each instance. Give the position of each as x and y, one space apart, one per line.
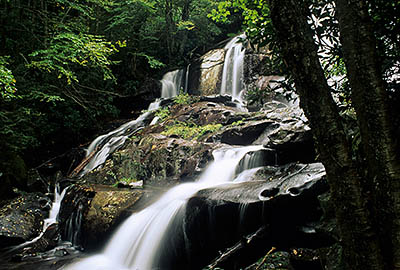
106 144
53 214
232 75
136 243
187 78
171 83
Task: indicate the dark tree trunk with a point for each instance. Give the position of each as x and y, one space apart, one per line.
370 102
185 16
169 27
360 242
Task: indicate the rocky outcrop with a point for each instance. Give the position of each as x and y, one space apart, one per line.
240 222
179 145
22 219
90 212
107 208
206 72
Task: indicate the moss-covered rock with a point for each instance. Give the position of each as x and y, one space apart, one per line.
108 206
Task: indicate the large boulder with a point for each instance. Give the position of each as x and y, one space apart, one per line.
177 147
21 219
107 208
155 159
227 219
89 213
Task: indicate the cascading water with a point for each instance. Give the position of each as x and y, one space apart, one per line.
232 75
171 83
136 243
106 144
187 78
52 219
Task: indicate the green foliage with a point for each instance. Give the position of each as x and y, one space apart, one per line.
255 15
67 50
163 113
190 130
256 96
185 99
7 80
125 181
70 60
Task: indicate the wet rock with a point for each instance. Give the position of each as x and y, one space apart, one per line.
211 71
47 241
21 219
108 206
245 134
74 206
90 212
163 160
285 203
206 73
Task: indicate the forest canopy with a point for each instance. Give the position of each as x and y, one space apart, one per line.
63 63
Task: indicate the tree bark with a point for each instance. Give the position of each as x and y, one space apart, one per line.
169 22
360 242
370 101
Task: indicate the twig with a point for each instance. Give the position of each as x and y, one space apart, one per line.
233 250
265 257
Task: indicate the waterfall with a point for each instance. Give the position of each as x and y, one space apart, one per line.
52 219
72 231
106 144
232 74
171 83
187 78
136 243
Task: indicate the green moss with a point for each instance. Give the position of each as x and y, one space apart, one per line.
125 181
185 99
190 130
237 123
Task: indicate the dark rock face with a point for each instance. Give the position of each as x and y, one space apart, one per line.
22 219
89 213
285 206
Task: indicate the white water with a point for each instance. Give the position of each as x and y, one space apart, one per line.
53 214
136 243
106 144
232 75
171 83
187 78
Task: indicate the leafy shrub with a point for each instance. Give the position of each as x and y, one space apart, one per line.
162 113
185 99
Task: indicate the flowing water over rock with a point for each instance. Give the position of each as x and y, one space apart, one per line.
232 76
106 144
52 218
136 244
171 83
